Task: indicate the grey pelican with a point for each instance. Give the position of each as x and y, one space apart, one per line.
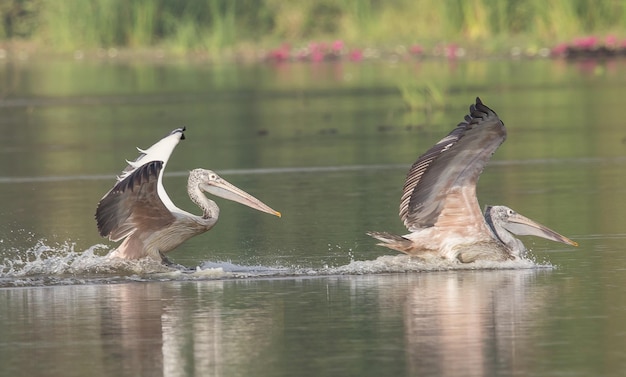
138 211
439 205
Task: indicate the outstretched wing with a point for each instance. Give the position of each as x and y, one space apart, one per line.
133 203
138 199
440 187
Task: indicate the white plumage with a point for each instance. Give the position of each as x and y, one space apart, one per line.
138 211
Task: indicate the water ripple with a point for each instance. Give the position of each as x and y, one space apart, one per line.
310 169
45 265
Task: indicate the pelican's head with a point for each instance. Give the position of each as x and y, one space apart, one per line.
208 181
179 132
504 221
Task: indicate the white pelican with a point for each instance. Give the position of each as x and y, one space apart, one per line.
138 210
439 205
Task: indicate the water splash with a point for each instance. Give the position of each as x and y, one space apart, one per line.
403 263
44 259
61 264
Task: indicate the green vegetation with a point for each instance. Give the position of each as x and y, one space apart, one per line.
218 26
426 96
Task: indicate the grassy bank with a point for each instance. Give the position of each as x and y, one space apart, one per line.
220 26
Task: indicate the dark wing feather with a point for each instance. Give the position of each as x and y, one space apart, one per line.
453 163
133 203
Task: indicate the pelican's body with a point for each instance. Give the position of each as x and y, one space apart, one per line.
138 211
439 205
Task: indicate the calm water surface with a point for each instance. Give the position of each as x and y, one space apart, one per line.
310 294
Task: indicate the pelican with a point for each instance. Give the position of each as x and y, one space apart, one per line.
138 211
439 205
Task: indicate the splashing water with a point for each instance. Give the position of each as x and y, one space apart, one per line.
403 263
60 264
45 264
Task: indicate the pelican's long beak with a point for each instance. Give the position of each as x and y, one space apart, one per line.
523 226
220 187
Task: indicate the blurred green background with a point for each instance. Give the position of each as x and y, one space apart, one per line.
224 27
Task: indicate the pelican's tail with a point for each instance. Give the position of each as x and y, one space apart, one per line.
394 242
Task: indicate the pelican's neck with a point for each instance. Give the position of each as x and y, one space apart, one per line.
163 194
515 247
210 210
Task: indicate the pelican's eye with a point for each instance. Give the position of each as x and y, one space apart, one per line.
212 177
510 212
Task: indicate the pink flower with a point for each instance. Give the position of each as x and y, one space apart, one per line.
337 46
416 49
451 49
317 55
559 49
610 40
356 55
280 54
586 42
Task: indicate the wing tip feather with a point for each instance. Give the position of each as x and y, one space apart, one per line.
478 113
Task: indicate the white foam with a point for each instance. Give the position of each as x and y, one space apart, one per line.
60 264
404 263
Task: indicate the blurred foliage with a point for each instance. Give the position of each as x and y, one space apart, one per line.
426 96
18 18
212 25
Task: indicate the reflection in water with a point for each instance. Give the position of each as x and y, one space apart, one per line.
131 329
431 323
561 165
471 324
193 341
180 330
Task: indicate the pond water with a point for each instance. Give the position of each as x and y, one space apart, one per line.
310 293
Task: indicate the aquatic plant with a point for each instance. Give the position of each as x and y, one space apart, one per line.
218 25
426 96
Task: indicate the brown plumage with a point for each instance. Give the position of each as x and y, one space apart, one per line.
138 211
439 204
